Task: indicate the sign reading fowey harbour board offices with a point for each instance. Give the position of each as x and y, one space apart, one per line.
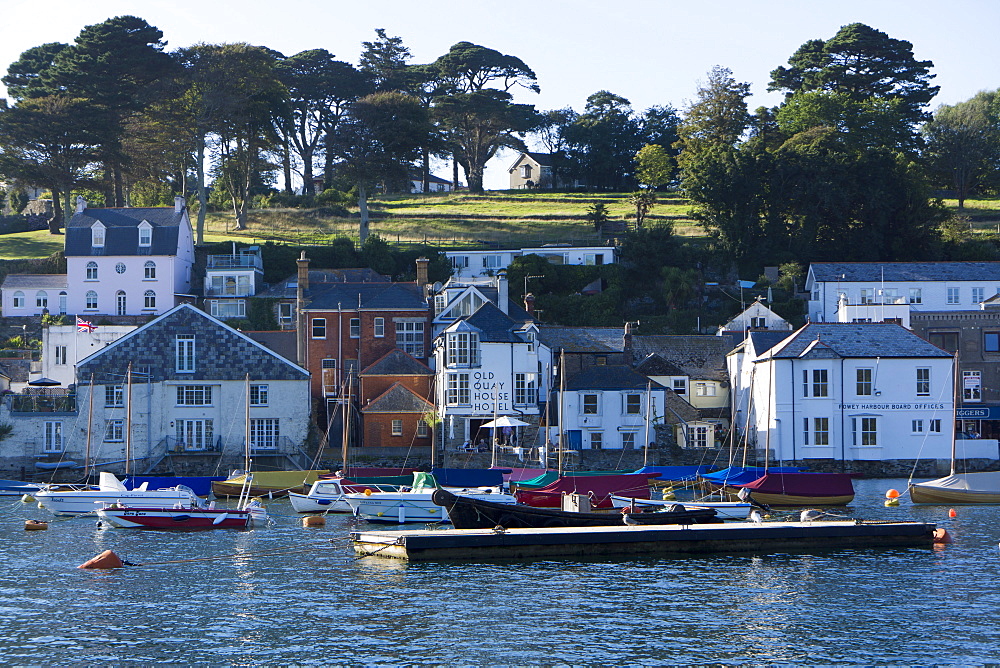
893 407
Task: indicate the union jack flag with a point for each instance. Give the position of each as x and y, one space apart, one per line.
84 325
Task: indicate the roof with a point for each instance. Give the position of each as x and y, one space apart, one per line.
764 341
876 272
583 339
855 339
281 342
543 159
122 235
221 352
654 365
700 357
40 281
398 399
494 325
288 287
397 363
373 296
611 377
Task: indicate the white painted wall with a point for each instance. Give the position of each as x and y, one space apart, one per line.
77 345
611 420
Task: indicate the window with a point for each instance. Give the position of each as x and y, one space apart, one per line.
978 295
463 349
525 392
184 347
97 235
935 426
379 327
917 426
60 354
953 295
423 430
944 340
525 171
492 262
410 338
590 404
53 437
258 394
227 308
923 381
864 382
820 383
865 431
194 395
680 386
145 235
355 328
195 434
697 436
397 427
91 271
805 431
633 404
867 295
459 262
531 341
91 300
114 396
601 360
232 285
264 434
628 440
758 323
972 385
149 270
319 328
916 296
596 440
991 342
821 431
891 296
704 389
121 303
18 299
458 389
114 430
286 315
41 299
120 268
149 299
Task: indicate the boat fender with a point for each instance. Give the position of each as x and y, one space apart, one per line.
27 498
889 503
35 525
105 560
314 521
942 537
368 492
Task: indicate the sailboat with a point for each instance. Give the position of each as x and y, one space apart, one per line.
979 487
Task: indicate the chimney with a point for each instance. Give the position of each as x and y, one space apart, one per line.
503 297
179 204
303 277
627 344
422 263
529 304
81 204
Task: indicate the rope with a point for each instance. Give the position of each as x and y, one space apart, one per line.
265 553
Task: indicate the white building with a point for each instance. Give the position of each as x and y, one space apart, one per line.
849 392
472 263
888 291
65 345
231 279
756 317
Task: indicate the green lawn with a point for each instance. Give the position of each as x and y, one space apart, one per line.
36 244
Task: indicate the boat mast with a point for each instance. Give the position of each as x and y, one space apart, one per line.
90 422
954 421
562 405
246 419
128 420
345 419
493 431
645 445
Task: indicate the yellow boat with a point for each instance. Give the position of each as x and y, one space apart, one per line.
267 483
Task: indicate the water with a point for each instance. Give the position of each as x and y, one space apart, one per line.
315 604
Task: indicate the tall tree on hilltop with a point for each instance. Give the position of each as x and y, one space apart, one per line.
384 62
24 76
963 144
602 142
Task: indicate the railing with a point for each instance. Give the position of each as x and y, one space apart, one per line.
245 261
42 403
229 291
176 446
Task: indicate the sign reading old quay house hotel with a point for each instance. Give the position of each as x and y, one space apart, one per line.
849 392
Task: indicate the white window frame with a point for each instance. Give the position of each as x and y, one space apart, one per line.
821 431
354 328
41 299
396 428
457 393
53 437
978 295
114 430
378 328
149 271
588 407
264 433
91 271
463 349
916 296
149 299
194 395
317 328
410 337
954 295
18 299
923 381
258 394
145 235
629 440
184 349
114 396
632 404
60 355
864 378
90 300
972 385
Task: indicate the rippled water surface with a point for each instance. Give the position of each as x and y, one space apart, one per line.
313 603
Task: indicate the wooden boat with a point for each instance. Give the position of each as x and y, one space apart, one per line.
983 487
800 489
727 510
266 483
598 487
183 518
477 513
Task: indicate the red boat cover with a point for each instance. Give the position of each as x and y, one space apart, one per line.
802 484
599 487
517 475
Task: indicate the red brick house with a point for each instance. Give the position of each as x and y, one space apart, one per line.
395 396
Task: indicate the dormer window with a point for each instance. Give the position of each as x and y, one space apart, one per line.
97 235
463 349
145 234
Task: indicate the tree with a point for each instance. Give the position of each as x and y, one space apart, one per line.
383 62
479 116
718 117
597 214
643 201
654 166
24 76
603 141
862 63
963 143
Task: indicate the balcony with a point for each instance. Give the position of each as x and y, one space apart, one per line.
45 401
240 261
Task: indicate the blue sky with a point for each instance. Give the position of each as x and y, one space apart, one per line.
648 51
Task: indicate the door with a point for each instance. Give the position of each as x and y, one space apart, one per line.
62 303
121 308
194 434
575 439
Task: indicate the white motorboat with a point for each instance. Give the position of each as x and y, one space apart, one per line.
727 510
415 505
325 496
78 500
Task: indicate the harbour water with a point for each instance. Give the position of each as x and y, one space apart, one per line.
292 595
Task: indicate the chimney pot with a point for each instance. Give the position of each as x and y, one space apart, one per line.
303 271
81 204
179 204
422 279
529 304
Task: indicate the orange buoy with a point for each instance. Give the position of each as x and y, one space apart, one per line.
104 560
35 525
892 494
314 521
952 513
941 536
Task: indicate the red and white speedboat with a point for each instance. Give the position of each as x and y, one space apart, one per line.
183 517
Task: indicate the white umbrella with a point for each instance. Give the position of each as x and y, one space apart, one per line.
504 421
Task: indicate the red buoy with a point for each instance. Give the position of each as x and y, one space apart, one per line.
104 560
952 513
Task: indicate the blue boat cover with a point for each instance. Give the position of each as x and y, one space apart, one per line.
675 473
738 475
469 477
200 485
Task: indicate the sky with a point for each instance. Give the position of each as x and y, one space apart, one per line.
652 52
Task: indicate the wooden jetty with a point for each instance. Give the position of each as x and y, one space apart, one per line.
479 544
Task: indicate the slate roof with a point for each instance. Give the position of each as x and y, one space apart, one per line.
373 296
515 311
855 339
40 281
287 288
543 159
122 235
281 342
679 410
494 325
654 365
701 357
583 339
611 377
17 371
764 341
398 399
397 363
876 272
221 352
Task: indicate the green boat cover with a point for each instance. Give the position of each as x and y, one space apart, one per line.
550 477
